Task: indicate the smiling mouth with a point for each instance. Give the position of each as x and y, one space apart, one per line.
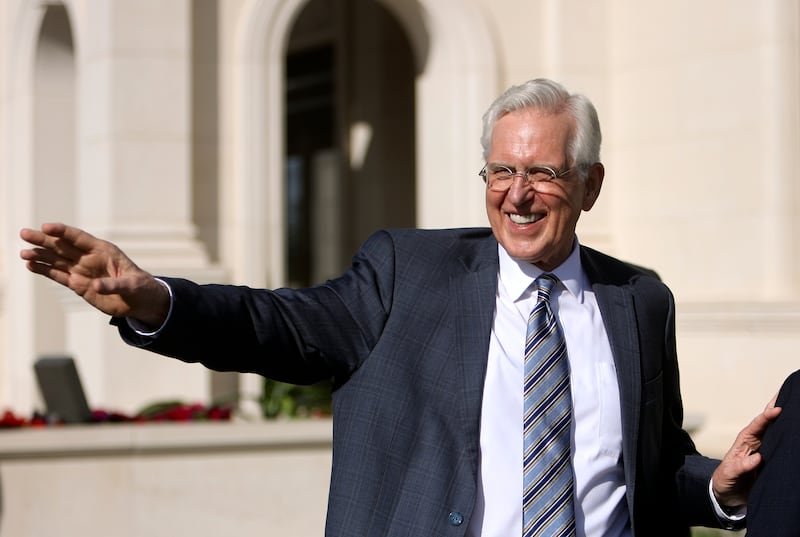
525 219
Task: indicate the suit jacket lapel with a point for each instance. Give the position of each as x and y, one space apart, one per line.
616 303
474 292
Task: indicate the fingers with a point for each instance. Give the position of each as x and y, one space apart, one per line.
765 419
65 241
54 228
48 262
41 258
744 457
748 463
759 424
39 236
78 238
772 401
65 255
44 256
734 476
49 271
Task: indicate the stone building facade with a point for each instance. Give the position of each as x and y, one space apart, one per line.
259 142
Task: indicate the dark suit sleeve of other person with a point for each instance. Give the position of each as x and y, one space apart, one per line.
774 506
404 333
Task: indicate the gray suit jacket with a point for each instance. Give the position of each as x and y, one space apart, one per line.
405 334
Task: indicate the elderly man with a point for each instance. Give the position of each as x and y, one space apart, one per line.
488 382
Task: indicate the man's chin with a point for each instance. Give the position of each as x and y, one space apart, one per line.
524 254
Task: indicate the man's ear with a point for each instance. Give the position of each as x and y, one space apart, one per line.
594 181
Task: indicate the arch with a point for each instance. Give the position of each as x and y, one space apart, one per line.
453 49
20 348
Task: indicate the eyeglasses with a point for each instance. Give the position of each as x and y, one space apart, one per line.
500 178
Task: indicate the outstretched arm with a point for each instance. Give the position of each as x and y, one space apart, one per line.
735 475
98 271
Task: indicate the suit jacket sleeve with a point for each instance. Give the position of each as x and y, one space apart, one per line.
684 474
298 336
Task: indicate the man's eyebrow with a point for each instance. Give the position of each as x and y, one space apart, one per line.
553 167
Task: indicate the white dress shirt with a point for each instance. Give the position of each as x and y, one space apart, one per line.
596 433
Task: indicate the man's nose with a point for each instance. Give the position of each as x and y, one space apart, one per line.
520 190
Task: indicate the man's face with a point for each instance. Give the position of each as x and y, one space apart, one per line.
538 225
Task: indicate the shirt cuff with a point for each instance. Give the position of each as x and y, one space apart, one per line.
728 517
147 331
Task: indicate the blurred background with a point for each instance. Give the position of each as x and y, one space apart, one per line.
259 142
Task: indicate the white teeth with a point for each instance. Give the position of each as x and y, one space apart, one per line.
527 219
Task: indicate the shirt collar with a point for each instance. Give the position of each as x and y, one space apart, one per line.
517 276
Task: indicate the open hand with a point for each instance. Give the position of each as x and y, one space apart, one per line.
97 270
734 477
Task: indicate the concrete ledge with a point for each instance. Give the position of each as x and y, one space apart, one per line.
154 438
154 480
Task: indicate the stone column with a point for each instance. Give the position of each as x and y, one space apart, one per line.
135 182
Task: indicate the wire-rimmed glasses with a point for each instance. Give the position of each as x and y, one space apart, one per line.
500 178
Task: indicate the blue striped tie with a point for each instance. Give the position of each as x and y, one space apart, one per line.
547 504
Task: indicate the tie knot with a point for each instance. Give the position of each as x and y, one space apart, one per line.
545 284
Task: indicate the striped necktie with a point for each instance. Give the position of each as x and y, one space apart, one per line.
547 504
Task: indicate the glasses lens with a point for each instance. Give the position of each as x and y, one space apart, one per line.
500 183
499 179
536 175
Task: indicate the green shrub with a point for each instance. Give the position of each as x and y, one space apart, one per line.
291 401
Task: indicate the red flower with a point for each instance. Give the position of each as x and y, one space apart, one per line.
9 419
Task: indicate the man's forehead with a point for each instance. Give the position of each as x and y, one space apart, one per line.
525 129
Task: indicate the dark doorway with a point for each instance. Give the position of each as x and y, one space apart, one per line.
350 124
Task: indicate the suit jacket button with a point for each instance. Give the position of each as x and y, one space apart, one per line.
455 518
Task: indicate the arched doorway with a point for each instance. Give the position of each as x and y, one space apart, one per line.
350 127
456 78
